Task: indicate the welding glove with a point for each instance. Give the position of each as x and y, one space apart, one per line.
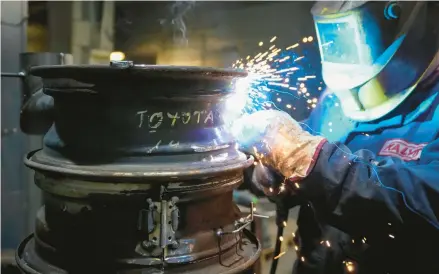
278 142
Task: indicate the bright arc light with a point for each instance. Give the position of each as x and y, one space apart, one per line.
271 72
236 103
117 56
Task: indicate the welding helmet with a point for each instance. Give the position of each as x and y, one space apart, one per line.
374 53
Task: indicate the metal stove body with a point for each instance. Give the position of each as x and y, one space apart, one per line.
137 173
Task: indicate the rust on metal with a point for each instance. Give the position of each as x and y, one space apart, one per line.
137 173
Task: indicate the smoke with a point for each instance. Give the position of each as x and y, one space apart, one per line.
178 10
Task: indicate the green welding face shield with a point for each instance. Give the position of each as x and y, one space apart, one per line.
374 53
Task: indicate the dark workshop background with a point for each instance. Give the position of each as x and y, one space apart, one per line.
217 33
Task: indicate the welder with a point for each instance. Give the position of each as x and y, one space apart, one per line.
364 167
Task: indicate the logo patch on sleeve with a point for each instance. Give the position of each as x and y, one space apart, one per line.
402 149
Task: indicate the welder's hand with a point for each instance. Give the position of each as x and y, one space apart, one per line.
278 142
267 180
273 185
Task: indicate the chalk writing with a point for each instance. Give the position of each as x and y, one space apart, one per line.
198 113
141 113
155 120
185 117
209 117
174 144
174 118
159 119
155 147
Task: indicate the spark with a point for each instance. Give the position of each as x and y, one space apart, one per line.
278 256
349 267
273 71
292 46
267 73
282 188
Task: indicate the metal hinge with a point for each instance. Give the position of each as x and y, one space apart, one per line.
159 222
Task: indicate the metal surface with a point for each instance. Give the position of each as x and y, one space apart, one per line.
20 199
21 94
225 264
16 186
31 59
138 172
36 115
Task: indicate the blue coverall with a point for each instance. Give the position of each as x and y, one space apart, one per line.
373 196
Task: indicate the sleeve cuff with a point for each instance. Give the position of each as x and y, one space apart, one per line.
322 186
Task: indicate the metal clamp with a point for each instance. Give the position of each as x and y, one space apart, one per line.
147 218
242 222
122 64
